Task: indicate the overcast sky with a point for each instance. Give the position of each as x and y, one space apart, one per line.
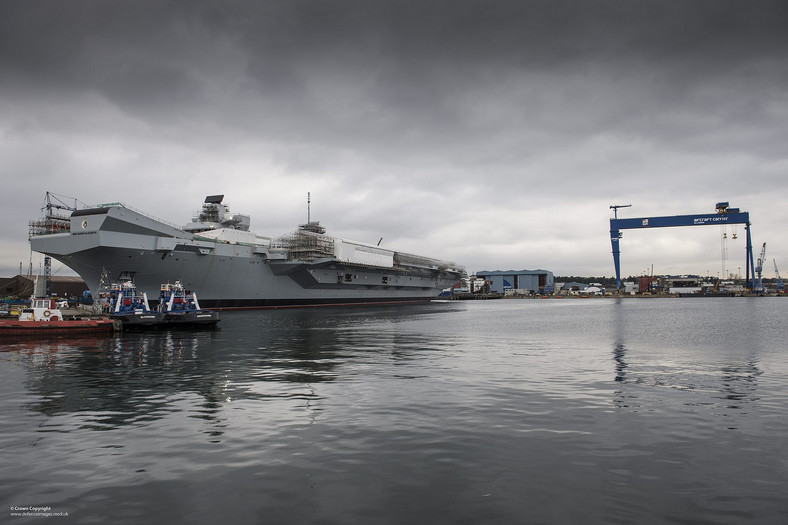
493 134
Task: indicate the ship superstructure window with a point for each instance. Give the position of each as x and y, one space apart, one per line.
348 277
385 279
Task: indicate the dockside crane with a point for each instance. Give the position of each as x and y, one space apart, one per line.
780 284
759 271
725 215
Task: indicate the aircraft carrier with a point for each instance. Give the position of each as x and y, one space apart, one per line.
229 266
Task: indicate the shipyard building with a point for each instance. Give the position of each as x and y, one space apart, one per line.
519 282
22 286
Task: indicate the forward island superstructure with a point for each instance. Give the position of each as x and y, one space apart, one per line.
231 266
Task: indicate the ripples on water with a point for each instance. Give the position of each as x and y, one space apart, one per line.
561 411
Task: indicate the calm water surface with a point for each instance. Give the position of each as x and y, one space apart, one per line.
509 411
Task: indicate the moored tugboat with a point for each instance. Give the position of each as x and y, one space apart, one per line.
43 317
131 308
181 308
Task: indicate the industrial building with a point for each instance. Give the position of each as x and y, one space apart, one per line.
573 288
21 286
521 282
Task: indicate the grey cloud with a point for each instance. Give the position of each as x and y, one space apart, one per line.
447 105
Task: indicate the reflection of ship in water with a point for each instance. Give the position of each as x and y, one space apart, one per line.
117 382
272 360
733 386
140 377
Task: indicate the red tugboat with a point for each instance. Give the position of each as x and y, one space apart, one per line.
45 318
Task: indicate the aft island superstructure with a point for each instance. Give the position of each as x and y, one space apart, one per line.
231 266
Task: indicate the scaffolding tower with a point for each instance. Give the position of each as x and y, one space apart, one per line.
305 245
53 221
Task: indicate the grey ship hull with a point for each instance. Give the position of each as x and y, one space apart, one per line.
126 243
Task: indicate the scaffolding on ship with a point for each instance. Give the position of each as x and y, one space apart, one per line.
53 221
306 244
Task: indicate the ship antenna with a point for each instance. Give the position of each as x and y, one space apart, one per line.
308 207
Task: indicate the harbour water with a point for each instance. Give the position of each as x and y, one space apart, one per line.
499 412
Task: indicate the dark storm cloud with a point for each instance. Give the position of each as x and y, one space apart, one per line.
401 65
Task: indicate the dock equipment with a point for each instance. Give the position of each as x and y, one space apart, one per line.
780 284
759 270
725 215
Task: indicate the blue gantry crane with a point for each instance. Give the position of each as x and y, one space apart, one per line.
725 215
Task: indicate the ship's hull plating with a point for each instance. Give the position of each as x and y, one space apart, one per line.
139 320
15 327
204 318
125 243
